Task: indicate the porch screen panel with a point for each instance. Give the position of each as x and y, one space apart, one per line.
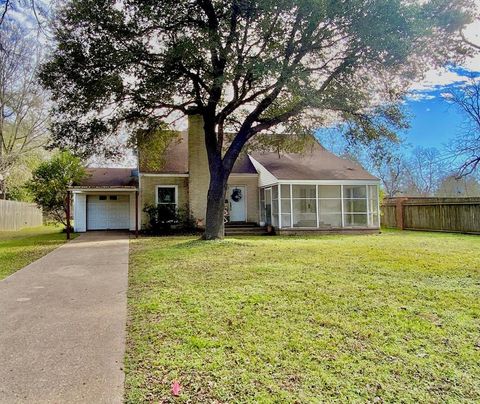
275 206
262 206
285 205
355 205
304 199
330 205
374 217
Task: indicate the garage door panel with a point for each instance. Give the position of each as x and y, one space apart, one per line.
112 212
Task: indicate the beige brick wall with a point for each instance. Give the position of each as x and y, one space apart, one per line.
193 189
251 182
148 188
198 168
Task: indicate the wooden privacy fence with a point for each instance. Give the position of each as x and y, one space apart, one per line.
459 215
17 215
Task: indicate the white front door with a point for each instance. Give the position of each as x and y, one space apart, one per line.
237 200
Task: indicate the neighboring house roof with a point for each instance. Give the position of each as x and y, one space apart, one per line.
109 177
314 164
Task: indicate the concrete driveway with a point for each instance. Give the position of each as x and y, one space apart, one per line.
62 324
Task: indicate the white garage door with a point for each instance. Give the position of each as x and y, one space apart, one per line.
106 212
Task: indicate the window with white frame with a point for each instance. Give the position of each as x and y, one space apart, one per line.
262 206
295 205
304 204
167 195
355 205
275 205
286 205
330 205
374 217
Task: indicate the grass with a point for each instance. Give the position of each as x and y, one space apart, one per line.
382 318
20 248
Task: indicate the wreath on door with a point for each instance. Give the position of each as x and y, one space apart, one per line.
236 195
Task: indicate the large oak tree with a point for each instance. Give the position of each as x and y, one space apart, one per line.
247 66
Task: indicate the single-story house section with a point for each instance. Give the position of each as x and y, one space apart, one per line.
106 200
312 191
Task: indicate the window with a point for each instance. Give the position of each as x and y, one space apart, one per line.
286 206
113 197
262 206
275 206
304 191
329 206
304 205
373 206
322 206
330 212
167 196
102 197
304 213
355 205
329 192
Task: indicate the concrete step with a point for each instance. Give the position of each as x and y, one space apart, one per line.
235 225
245 231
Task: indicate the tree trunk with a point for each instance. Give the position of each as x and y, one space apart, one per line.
214 225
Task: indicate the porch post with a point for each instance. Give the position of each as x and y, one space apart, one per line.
68 215
399 212
136 214
279 206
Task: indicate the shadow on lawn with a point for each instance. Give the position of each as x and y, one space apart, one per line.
199 243
46 239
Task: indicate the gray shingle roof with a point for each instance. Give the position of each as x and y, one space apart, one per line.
314 164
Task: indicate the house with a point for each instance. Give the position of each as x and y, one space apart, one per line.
308 192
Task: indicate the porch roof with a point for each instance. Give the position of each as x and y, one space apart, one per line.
314 164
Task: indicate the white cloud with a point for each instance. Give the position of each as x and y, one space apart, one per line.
419 96
435 79
438 78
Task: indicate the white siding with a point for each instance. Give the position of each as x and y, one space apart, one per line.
132 212
79 212
80 209
265 177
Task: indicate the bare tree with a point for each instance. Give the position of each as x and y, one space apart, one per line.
468 42
23 109
453 186
466 146
425 168
39 9
393 174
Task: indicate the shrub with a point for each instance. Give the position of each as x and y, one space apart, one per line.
164 219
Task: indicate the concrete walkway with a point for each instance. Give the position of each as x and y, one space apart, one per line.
62 324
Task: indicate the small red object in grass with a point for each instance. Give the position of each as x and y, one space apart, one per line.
176 388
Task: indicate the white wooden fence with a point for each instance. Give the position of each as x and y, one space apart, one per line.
17 215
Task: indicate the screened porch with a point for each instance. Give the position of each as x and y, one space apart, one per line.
320 205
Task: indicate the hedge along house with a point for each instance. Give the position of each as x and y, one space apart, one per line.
313 191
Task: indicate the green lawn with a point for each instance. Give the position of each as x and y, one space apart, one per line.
20 248
382 318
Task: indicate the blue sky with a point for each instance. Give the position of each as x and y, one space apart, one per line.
433 121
